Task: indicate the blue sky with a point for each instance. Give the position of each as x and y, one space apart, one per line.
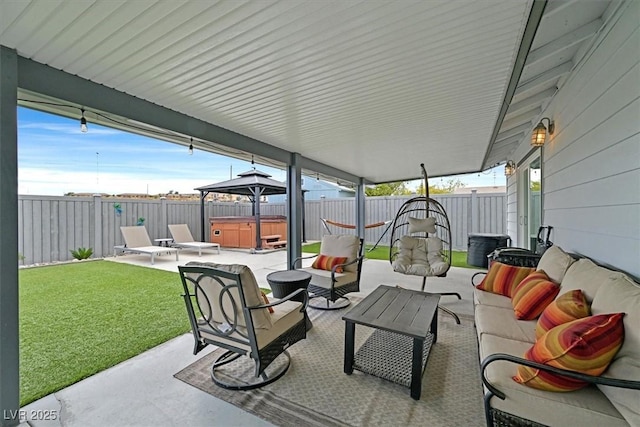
55 158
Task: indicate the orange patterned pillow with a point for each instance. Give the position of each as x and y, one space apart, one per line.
585 345
326 262
502 278
567 307
533 295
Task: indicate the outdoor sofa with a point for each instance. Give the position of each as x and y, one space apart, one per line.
611 398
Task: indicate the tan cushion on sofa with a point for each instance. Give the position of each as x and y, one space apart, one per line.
481 297
585 275
584 407
622 294
501 321
555 263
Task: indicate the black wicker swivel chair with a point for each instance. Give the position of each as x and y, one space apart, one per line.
226 309
331 280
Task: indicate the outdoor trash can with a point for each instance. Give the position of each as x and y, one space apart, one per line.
480 245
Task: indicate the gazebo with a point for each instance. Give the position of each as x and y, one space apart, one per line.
254 184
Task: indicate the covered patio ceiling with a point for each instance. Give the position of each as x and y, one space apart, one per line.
370 88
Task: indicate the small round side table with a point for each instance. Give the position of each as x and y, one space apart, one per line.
286 281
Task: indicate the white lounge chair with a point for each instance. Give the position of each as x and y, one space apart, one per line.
183 239
136 240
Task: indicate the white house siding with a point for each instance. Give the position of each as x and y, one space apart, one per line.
591 165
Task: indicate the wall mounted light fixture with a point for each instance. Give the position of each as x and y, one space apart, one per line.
510 168
83 122
539 135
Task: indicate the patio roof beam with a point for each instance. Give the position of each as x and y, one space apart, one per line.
48 81
535 16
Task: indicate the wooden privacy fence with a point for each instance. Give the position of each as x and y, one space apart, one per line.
50 227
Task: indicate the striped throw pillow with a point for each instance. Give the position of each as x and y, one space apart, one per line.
585 345
326 262
533 295
502 278
569 306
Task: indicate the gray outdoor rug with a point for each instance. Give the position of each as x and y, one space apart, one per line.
316 392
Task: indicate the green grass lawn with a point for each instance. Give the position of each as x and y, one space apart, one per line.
78 319
458 259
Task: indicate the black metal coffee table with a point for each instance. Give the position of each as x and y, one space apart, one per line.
284 282
406 323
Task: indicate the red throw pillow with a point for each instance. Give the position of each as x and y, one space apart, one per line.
325 262
569 306
585 345
266 301
533 295
503 278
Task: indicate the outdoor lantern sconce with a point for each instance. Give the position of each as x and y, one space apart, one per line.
509 168
539 135
83 122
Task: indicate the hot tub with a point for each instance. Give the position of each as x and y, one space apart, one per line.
240 231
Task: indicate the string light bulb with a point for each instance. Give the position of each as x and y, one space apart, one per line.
191 146
83 122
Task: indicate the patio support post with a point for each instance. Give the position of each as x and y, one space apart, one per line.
9 333
294 209
360 209
203 194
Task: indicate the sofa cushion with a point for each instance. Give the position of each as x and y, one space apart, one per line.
533 295
569 306
555 262
584 407
585 345
501 322
481 297
585 275
326 262
502 278
623 294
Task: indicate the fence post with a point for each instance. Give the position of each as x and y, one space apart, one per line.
97 226
474 211
163 216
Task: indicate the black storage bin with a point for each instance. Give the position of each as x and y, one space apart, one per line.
480 245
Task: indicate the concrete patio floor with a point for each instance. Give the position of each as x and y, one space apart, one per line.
142 391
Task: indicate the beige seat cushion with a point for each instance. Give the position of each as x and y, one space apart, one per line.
501 321
261 318
322 278
481 297
621 294
341 245
555 262
584 407
420 256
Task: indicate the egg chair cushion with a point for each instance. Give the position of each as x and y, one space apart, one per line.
420 256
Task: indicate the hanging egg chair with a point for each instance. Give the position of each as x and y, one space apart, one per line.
421 240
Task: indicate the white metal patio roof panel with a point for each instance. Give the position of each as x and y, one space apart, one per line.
373 88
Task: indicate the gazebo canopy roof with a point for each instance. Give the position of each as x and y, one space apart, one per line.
246 183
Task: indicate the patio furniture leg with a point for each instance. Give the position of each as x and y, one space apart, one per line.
153 256
416 368
349 338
